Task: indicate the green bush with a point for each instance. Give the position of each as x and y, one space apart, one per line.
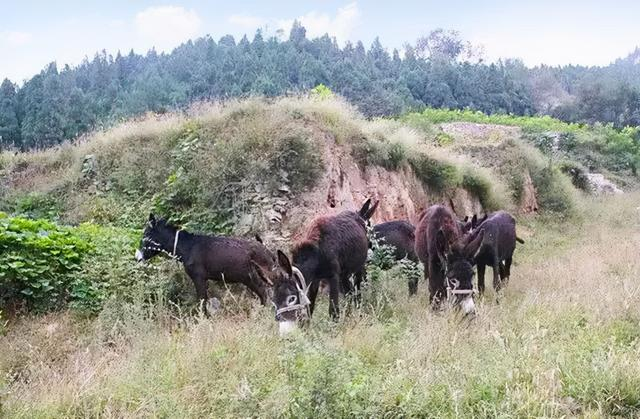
538 123
444 139
379 153
481 187
45 266
321 92
40 261
436 174
110 272
554 190
577 173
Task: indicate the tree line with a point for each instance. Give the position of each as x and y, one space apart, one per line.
440 70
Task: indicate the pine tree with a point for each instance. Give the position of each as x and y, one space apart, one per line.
9 122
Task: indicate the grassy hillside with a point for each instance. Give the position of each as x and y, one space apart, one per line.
212 166
564 341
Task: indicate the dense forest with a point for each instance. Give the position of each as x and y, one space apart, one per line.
439 70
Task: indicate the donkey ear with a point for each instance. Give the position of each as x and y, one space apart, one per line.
474 221
473 247
466 218
258 238
257 269
365 208
284 262
371 210
441 243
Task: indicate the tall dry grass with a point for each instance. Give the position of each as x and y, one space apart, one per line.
564 341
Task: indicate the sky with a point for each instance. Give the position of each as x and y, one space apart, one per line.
34 33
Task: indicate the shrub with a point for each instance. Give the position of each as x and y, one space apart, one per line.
321 92
577 173
379 153
110 273
46 266
444 139
39 262
481 187
436 174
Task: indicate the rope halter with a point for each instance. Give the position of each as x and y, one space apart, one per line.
452 288
154 245
303 299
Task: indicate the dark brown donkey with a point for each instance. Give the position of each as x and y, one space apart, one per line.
333 249
447 255
400 235
211 257
497 247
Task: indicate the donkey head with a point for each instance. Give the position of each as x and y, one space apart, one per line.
367 210
465 224
289 294
475 222
158 237
458 260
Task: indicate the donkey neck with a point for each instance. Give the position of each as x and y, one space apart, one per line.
181 244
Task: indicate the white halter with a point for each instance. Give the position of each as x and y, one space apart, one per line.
175 242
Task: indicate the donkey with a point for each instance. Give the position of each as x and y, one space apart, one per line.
400 235
447 255
333 249
218 258
497 247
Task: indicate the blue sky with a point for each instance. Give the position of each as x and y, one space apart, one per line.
33 33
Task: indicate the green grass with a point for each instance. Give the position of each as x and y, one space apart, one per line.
537 123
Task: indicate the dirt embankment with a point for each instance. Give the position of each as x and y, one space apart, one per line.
345 185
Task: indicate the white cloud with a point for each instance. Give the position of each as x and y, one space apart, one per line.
165 27
247 22
117 23
15 38
317 24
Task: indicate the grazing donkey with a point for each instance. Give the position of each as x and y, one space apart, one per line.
447 255
400 235
218 258
334 248
497 247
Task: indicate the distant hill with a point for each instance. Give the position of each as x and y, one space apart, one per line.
60 104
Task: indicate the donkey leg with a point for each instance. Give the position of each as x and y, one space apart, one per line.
497 283
199 278
334 298
360 277
346 284
413 283
201 291
437 291
313 293
507 269
481 271
258 290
